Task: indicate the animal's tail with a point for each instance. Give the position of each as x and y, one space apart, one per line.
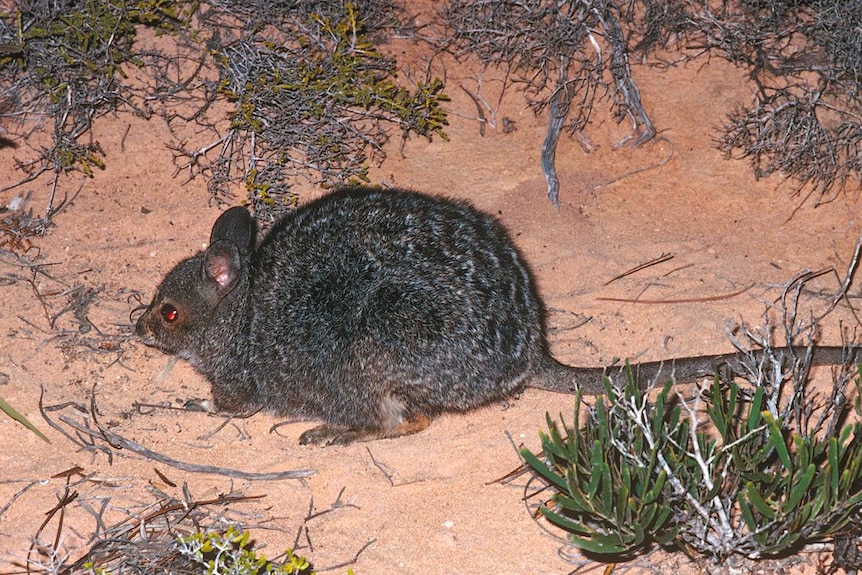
562 378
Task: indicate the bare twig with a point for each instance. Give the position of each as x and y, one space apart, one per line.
655 261
682 300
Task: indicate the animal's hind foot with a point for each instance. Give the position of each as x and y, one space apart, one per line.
341 435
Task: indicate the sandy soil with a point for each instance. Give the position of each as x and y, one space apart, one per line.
428 503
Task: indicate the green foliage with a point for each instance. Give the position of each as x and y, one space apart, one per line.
11 412
610 506
67 62
729 477
91 569
147 541
313 99
231 553
353 74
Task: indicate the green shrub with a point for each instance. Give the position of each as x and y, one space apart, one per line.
311 97
728 472
68 63
312 100
231 553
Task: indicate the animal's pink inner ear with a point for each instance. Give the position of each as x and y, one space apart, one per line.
221 270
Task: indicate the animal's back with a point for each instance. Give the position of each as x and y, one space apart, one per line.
397 294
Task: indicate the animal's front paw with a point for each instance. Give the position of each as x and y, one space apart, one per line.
195 404
210 407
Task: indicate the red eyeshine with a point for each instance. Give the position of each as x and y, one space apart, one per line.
170 313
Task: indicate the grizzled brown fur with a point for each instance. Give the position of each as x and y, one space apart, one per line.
371 310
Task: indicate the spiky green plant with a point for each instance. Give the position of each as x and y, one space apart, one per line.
725 473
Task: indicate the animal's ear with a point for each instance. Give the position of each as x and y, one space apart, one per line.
237 227
222 266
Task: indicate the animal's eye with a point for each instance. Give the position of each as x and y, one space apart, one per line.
170 313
